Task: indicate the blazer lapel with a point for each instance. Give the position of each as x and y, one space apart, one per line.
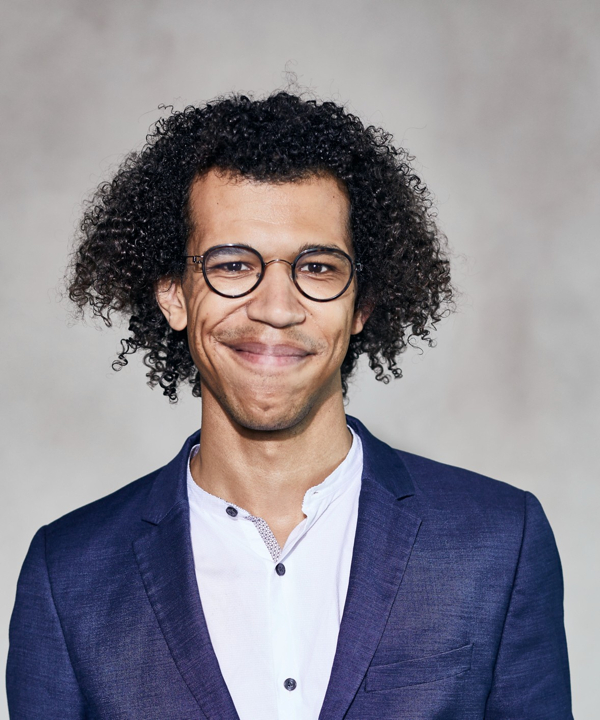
385 535
165 559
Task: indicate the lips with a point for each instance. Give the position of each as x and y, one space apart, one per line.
259 353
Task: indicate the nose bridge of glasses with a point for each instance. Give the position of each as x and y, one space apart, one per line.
276 260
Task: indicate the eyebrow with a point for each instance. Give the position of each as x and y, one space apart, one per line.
302 248
312 246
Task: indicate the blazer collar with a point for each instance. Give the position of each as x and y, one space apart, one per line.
385 535
381 464
169 487
163 550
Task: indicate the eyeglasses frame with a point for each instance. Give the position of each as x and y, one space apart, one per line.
355 267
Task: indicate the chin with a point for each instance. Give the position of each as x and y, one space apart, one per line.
272 420
272 408
269 411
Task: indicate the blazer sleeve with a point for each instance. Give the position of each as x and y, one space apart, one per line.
40 681
531 676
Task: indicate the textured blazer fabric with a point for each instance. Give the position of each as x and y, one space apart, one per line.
454 606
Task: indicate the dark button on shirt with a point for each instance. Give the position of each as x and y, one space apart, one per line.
231 511
280 570
290 684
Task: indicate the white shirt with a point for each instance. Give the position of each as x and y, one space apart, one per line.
274 615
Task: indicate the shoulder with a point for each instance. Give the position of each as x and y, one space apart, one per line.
431 483
468 502
456 484
114 520
399 470
111 517
91 543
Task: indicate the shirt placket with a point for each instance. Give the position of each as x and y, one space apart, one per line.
289 687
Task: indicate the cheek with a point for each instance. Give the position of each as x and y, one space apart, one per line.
208 316
199 322
336 327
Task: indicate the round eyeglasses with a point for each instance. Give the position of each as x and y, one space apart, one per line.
320 274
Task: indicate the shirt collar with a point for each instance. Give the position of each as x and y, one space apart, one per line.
319 497
316 499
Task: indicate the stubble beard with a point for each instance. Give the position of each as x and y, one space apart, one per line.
297 409
289 418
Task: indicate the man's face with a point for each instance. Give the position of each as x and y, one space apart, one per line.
270 358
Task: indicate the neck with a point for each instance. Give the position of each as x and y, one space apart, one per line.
268 473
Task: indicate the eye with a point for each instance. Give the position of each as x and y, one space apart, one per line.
231 267
322 267
315 268
231 262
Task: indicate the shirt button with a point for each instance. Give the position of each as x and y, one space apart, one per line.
280 570
290 684
231 511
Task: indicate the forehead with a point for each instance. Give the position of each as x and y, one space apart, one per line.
226 208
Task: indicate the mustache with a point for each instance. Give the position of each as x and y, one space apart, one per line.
292 336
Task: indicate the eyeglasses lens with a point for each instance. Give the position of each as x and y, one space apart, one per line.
235 271
232 270
323 275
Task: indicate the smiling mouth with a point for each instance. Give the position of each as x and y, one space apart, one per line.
271 355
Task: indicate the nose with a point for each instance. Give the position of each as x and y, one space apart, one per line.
276 301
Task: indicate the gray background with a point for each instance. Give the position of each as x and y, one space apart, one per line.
499 102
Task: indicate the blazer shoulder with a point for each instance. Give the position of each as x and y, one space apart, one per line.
103 519
462 503
447 485
431 484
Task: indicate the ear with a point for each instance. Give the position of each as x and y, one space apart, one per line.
169 297
361 315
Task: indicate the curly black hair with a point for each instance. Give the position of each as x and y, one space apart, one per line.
135 228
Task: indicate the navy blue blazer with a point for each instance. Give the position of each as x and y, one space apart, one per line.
454 606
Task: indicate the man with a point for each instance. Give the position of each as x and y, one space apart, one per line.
286 564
